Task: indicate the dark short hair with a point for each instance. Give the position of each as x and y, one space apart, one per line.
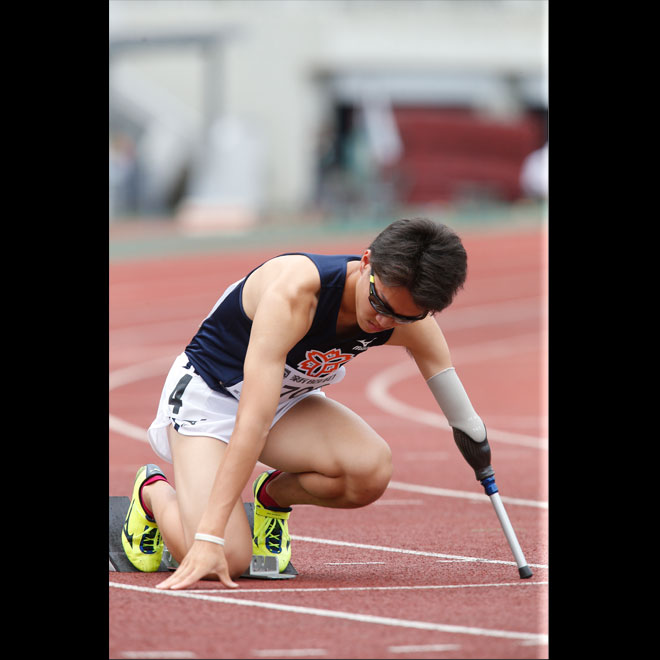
425 257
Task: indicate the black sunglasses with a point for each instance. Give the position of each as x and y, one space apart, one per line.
383 308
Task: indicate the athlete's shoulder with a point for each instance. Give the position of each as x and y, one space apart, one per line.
291 271
292 278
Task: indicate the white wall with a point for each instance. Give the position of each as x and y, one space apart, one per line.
270 72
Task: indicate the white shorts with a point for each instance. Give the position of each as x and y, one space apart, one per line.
194 409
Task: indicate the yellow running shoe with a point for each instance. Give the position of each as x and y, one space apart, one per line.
270 534
140 536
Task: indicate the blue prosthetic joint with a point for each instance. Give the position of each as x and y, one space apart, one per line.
489 485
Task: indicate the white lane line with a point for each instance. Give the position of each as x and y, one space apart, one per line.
399 502
288 653
421 553
132 374
160 655
352 563
488 585
335 614
127 429
135 372
428 648
462 494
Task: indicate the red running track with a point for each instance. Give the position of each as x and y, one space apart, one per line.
426 571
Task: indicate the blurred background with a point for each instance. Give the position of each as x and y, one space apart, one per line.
236 115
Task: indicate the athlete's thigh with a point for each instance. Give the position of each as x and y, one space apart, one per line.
196 460
322 435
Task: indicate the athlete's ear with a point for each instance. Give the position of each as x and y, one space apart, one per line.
366 260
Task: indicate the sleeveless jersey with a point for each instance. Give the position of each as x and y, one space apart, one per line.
217 351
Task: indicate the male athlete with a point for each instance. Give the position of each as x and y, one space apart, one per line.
248 388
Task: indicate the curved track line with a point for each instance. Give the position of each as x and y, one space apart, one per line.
378 387
462 494
131 374
135 372
127 429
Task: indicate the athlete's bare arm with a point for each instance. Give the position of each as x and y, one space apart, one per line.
281 301
426 344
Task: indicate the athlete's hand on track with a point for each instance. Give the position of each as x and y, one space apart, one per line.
202 559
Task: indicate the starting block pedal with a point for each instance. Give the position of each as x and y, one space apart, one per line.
262 568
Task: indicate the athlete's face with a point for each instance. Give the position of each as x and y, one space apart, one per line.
380 307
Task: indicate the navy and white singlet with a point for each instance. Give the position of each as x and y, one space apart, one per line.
217 351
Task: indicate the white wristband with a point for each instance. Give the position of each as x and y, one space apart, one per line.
210 538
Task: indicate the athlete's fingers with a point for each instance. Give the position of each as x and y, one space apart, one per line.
226 580
182 582
196 565
190 577
179 579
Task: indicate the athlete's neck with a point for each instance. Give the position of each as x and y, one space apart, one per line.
347 318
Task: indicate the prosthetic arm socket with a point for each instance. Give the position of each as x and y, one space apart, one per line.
468 428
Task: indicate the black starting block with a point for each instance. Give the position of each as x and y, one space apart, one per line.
263 568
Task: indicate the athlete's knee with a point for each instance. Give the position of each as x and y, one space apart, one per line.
370 476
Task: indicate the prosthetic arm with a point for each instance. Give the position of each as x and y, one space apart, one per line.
470 437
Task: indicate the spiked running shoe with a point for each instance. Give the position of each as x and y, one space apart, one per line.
140 536
270 534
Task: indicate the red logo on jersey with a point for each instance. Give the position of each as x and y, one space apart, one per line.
318 364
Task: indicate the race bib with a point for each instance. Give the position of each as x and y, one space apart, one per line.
316 370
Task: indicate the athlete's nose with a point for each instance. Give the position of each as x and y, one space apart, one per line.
385 322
